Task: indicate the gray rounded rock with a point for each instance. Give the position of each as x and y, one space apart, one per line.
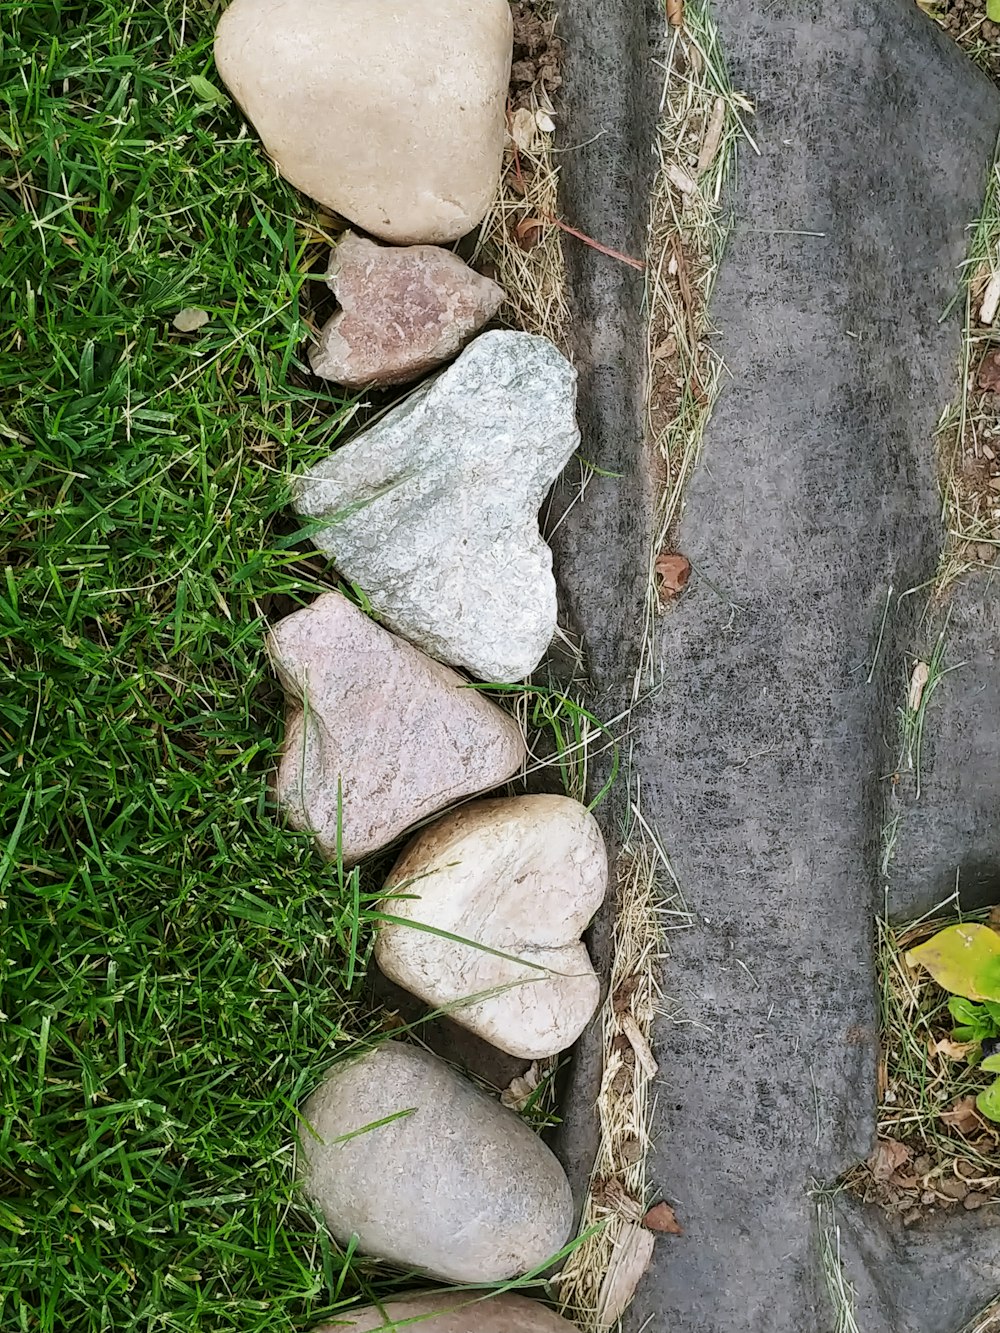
454 1312
446 1181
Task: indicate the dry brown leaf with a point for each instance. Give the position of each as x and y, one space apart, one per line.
520 1089
673 571
661 1217
633 1249
675 12
528 232
963 1116
952 1050
612 1195
988 376
524 129
621 1000
888 1157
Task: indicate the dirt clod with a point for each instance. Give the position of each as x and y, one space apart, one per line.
988 375
537 57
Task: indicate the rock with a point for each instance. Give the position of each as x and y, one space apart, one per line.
456 1186
402 735
453 1312
403 312
434 509
523 877
390 112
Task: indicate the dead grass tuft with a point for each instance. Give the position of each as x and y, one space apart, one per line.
519 235
702 121
647 904
969 430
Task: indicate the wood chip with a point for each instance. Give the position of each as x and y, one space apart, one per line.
679 177
919 677
639 1044
713 136
630 1257
991 300
675 12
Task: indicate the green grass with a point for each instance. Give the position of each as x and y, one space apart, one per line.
175 969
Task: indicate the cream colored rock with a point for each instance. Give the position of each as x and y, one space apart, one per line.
429 1172
452 1312
377 735
521 877
390 112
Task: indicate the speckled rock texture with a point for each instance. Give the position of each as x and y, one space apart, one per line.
455 1185
403 311
390 112
375 726
433 511
522 877
454 1312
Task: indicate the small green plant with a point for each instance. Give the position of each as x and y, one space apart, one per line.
965 960
993 10
975 1022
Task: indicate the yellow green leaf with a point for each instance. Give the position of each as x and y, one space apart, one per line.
964 959
988 1101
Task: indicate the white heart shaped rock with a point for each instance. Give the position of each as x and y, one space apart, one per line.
430 1173
377 735
390 112
522 878
433 511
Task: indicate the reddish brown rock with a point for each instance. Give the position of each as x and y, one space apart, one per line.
377 735
402 312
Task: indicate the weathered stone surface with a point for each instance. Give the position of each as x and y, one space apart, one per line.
434 510
457 1186
390 112
398 735
403 312
454 1312
523 877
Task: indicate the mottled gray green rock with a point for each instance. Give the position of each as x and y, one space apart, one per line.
433 511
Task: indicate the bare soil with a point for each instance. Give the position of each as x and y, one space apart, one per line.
966 21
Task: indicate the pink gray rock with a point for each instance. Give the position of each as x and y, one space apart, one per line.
403 312
377 735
